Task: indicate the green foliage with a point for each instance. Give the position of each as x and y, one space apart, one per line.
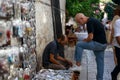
87 7
109 9
116 1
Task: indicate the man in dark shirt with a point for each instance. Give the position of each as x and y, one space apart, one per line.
53 55
95 41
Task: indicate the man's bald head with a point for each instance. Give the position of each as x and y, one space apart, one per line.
81 18
79 15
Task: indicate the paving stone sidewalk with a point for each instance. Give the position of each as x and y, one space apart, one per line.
89 65
109 65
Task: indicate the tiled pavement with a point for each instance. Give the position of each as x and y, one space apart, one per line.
89 65
109 65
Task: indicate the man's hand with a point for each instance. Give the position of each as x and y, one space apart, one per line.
69 62
85 40
64 60
89 38
78 63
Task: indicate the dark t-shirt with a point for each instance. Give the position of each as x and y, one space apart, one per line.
61 50
52 48
97 28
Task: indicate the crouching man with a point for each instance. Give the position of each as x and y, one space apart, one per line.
53 55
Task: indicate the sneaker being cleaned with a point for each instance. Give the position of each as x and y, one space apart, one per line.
75 68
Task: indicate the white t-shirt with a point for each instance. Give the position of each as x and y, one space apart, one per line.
116 32
81 35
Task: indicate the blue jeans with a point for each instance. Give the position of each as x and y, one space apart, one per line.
98 50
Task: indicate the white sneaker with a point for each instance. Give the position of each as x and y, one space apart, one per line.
76 68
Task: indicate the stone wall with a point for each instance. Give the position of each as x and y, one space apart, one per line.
62 7
44 26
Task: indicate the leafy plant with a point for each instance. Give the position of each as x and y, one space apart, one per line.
88 7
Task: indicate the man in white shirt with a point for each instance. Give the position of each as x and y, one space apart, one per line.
116 43
116 33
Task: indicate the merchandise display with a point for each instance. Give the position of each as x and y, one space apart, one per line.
17 40
6 9
18 44
49 74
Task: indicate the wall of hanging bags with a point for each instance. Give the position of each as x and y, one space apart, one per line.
17 38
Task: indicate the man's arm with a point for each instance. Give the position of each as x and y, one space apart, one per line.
89 38
65 60
61 58
111 35
52 59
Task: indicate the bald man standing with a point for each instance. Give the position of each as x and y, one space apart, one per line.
95 41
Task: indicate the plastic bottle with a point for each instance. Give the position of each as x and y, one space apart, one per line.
27 74
21 74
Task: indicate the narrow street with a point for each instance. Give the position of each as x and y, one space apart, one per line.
89 65
33 34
